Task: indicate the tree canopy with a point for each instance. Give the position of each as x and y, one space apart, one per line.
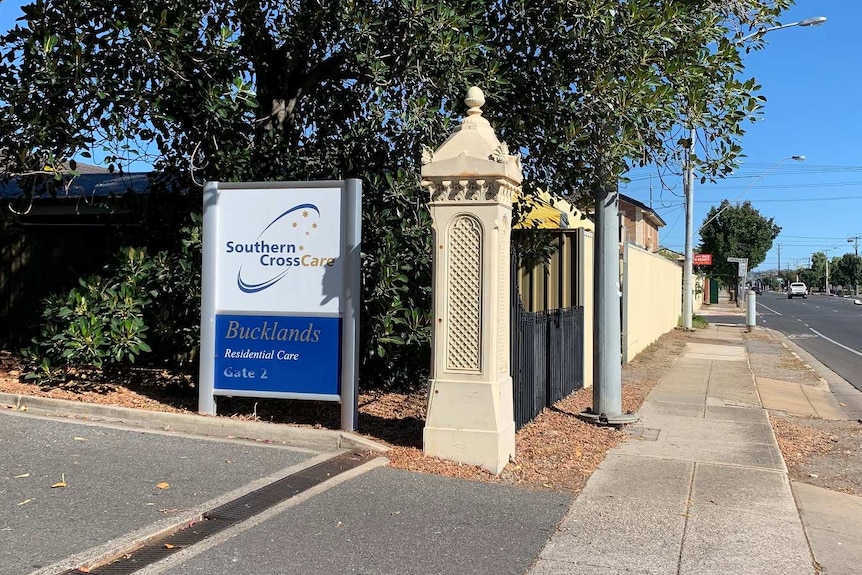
843 269
736 231
277 89
288 90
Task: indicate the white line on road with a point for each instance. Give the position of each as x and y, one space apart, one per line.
769 308
850 349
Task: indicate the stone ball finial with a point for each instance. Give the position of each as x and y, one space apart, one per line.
475 100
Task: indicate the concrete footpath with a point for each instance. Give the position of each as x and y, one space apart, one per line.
702 488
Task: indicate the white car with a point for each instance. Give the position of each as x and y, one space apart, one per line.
797 289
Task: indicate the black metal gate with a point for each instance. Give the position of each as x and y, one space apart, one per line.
547 350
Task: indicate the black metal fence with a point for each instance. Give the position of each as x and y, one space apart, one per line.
547 350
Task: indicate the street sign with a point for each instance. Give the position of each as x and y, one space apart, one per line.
702 259
279 312
743 265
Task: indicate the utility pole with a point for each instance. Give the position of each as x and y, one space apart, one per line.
779 260
855 241
688 183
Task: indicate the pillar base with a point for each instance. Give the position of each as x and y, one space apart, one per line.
617 419
491 450
467 422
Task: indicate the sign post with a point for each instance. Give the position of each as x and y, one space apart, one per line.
741 274
281 292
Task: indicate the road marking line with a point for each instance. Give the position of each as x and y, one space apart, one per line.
850 349
769 308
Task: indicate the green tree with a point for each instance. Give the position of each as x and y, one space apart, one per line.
842 270
270 89
818 271
770 280
736 231
809 277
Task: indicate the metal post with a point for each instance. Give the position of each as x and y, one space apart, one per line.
750 311
206 380
351 306
687 290
855 241
607 346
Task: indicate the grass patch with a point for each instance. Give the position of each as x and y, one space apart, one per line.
697 322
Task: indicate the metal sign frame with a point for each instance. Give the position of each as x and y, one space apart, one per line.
281 292
743 266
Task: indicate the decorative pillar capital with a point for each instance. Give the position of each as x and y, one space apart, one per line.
485 169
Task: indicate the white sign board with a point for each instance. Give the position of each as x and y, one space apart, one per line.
279 310
743 266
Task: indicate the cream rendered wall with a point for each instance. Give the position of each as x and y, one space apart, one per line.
652 298
697 300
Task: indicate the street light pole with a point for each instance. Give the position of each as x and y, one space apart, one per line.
688 183
855 241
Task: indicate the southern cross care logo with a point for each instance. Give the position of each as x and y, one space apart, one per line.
287 242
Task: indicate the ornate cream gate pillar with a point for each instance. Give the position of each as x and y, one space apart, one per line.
471 179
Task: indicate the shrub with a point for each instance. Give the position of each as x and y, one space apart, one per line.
141 303
98 323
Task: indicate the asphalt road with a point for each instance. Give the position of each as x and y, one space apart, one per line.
829 328
121 484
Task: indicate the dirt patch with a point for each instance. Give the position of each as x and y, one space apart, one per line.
556 451
768 357
821 452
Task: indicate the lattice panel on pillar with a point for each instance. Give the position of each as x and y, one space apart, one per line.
464 273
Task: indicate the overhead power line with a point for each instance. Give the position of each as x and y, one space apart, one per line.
789 169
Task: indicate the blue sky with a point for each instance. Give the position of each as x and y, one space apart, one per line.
811 79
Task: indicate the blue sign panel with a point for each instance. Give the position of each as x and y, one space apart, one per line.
284 354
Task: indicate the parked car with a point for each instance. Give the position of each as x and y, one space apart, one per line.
797 289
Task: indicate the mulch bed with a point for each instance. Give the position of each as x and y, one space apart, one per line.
557 451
